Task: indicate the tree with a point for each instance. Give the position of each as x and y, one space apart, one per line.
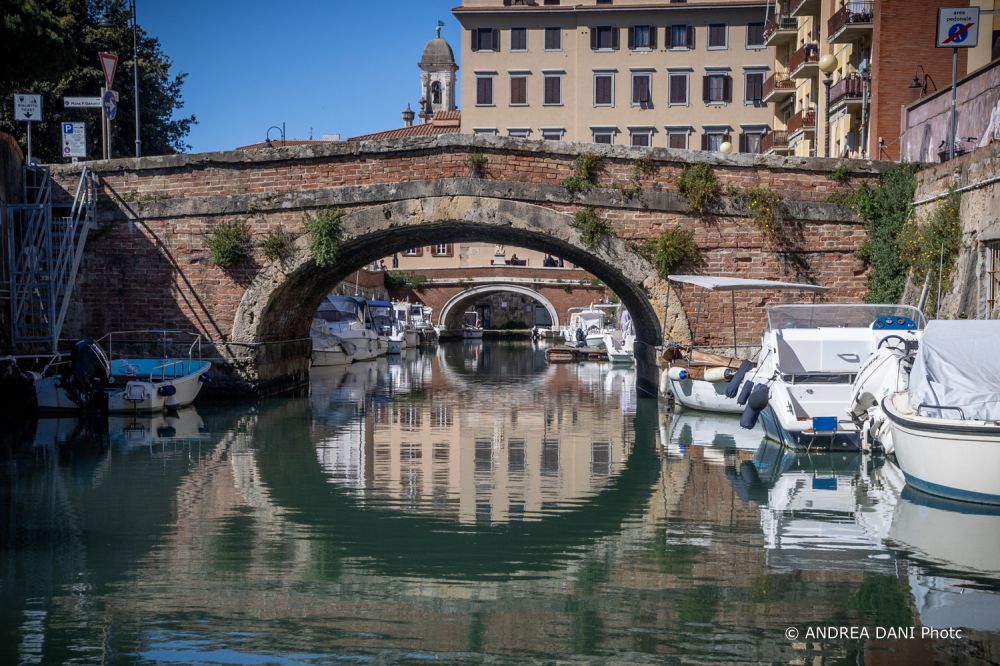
52 46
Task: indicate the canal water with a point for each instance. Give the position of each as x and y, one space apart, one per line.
468 504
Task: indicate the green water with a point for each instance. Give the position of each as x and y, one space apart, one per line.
472 504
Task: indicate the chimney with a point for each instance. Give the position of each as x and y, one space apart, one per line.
408 116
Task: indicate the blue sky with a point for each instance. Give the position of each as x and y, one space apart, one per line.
343 67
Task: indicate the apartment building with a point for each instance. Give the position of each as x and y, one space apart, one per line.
880 49
668 73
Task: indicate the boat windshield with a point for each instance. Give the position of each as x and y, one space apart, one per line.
338 310
380 311
841 315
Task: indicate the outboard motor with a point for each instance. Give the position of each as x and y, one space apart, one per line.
581 337
89 374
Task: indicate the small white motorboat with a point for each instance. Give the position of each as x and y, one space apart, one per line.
328 349
350 320
586 327
472 328
401 313
946 426
92 383
620 343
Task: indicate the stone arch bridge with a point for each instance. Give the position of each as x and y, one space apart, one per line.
147 265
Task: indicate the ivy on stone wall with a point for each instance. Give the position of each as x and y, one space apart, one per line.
586 168
885 208
228 242
324 232
699 187
671 250
930 246
592 228
277 245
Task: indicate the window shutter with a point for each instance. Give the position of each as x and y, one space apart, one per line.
652 36
668 37
593 39
743 143
705 89
704 141
727 88
615 35
631 38
690 36
475 40
495 40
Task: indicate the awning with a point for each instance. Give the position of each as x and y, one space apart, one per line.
720 283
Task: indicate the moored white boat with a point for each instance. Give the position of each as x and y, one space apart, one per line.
472 328
946 426
620 342
350 321
328 349
586 327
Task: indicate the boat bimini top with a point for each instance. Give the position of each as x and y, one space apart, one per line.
723 283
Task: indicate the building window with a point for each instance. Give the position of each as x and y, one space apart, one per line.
604 89
484 90
518 132
753 86
484 131
441 250
642 37
642 84
604 2
678 93
604 38
413 252
677 139
553 39
518 90
552 133
641 136
485 39
603 135
518 39
717 88
718 36
713 139
551 2
755 35
681 37
553 89
750 142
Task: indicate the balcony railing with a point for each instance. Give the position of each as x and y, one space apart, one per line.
854 12
779 83
803 120
847 89
775 140
807 54
787 25
805 7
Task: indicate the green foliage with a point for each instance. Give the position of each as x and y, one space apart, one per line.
930 247
592 228
839 174
885 207
50 48
228 242
643 166
277 244
841 198
586 168
324 231
397 281
762 205
477 165
699 187
673 249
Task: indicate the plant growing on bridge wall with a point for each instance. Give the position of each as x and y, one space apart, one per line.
228 242
762 205
586 168
592 228
839 174
673 249
643 166
930 247
699 187
395 281
885 208
324 232
277 245
477 165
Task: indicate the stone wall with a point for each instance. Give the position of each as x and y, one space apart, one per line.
977 176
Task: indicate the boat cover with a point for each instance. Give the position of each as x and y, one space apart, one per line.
958 365
722 283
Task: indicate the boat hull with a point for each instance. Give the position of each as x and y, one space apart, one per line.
946 457
328 357
703 395
472 333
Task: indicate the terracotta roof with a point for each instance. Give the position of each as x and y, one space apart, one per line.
444 122
447 115
277 143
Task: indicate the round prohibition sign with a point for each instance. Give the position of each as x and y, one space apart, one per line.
958 33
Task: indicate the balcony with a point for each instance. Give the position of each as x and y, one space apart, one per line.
852 23
803 121
777 87
780 30
805 7
804 63
848 92
774 143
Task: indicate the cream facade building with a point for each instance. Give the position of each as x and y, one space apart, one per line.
661 73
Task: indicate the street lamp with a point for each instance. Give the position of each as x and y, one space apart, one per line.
726 148
135 79
267 134
827 65
921 79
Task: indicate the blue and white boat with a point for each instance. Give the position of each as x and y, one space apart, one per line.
92 383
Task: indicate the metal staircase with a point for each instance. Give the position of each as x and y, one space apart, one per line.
45 242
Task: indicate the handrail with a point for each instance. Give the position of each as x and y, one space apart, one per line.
941 407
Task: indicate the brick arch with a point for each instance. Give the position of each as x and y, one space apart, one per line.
457 303
280 301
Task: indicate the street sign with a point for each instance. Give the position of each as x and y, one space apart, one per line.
110 103
28 108
82 102
957 27
109 62
74 140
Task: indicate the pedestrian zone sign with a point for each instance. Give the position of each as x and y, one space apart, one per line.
958 27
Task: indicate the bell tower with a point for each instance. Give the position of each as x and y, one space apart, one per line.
437 77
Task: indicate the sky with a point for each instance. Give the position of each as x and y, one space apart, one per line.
345 67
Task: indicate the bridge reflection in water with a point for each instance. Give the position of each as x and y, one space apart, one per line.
468 502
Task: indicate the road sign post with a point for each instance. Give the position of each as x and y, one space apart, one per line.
957 28
74 140
28 108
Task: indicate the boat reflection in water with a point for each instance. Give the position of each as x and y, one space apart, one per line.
124 431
